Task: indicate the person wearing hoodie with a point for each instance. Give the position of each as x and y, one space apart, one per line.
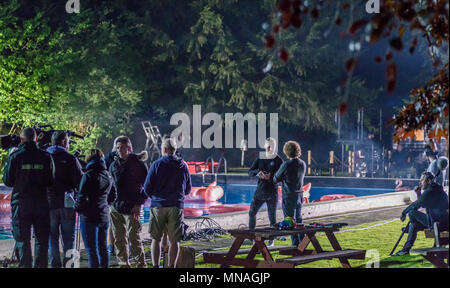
167 182
266 190
291 174
61 198
96 193
29 171
128 172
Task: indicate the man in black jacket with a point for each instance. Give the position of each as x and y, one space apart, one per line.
435 201
266 190
29 171
61 198
129 174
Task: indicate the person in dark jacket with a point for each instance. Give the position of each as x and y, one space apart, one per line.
291 173
96 193
435 201
167 182
29 171
266 190
61 198
128 172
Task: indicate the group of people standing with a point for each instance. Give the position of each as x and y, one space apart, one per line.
51 187
271 170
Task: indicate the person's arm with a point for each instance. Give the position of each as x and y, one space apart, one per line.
9 172
254 169
112 195
149 183
418 203
76 173
279 175
188 181
142 177
82 196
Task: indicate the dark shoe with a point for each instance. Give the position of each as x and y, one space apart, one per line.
401 253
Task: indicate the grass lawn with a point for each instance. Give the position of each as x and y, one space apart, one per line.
381 237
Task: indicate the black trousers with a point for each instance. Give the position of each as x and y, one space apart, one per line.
24 217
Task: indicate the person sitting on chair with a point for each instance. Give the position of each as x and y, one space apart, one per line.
435 201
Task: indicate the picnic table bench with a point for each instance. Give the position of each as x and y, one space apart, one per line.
299 255
437 255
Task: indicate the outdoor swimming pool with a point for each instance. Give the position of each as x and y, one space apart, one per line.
233 194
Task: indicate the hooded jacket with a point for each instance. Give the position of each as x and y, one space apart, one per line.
129 176
167 182
96 193
29 171
67 176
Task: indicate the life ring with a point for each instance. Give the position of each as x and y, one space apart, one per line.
192 212
336 197
227 208
306 188
205 194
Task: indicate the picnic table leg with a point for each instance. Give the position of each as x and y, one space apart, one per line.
436 261
305 242
232 252
336 247
264 251
315 243
252 252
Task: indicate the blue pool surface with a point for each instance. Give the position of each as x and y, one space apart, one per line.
243 194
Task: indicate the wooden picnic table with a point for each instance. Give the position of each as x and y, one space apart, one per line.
299 255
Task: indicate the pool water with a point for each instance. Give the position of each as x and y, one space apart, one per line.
233 194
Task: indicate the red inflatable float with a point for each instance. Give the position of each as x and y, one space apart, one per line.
192 212
335 197
205 194
227 208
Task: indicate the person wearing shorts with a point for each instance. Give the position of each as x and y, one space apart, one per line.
167 182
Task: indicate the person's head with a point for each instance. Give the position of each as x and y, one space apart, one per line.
123 146
60 138
94 154
426 179
270 145
28 134
168 146
292 149
399 148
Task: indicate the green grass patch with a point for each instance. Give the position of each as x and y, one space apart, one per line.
382 238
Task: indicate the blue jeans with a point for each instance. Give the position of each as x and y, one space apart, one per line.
95 237
292 207
62 223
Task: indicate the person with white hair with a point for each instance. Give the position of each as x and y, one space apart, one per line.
266 191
